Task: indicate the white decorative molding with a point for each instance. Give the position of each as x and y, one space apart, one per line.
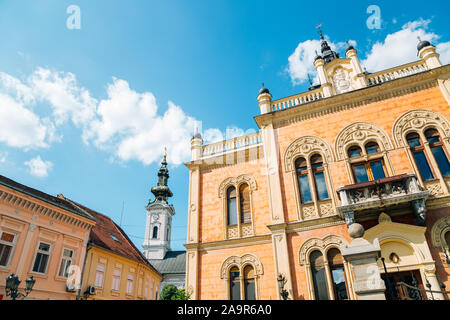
320 244
305 147
240 262
419 120
236 181
438 231
360 133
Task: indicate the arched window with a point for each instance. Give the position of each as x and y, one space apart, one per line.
437 148
336 263
303 181
447 239
417 149
155 232
319 177
249 283
367 170
231 206
244 199
235 284
318 272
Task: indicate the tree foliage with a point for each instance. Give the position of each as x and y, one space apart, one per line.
170 292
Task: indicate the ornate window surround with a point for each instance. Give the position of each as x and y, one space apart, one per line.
419 121
241 262
324 245
438 231
237 182
359 134
306 147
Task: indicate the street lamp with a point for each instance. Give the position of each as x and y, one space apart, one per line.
281 282
12 286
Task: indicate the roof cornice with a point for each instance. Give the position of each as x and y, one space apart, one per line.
353 99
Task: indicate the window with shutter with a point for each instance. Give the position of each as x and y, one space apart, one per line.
244 195
318 274
235 284
336 262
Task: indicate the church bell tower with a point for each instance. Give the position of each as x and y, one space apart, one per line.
159 217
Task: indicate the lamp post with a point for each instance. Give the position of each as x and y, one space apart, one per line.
12 286
281 282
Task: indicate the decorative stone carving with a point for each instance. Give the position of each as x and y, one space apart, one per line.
241 262
236 181
320 244
326 209
359 133
435 188
438 230
309 211
418 120
305 147
420 211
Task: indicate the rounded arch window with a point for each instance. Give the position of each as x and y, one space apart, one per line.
319 177
437 149
354 152
235 284
447 239
318 273
372 148
231 206
301 168
249 283
155 232
244 203
336 263
418 151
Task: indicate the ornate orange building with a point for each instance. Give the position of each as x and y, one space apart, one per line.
343 186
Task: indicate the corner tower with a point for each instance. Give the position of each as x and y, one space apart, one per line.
159 217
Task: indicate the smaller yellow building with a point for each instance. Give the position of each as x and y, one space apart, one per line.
114 269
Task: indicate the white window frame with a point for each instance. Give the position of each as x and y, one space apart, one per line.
12 244
67 261
99 274
130 284
38 251
117 274
146 289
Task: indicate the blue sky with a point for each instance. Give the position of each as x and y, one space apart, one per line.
87 112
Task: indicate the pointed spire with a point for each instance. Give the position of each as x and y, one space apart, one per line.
162 191
327 54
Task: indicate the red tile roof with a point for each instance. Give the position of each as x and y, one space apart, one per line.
101 236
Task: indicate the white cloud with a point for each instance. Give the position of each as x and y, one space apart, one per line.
301 61
128 124
401 47
396 49
39 168
20 127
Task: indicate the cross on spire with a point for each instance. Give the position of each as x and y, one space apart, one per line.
320 31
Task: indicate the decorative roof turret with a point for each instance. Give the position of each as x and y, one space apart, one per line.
162 191
263 90
327 54
422 44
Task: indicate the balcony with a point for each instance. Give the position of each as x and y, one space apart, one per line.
393 192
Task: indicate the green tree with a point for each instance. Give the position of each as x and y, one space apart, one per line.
170 292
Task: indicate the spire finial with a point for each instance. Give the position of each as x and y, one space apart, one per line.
165 152
320 31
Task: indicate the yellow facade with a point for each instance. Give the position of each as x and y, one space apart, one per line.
145 284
